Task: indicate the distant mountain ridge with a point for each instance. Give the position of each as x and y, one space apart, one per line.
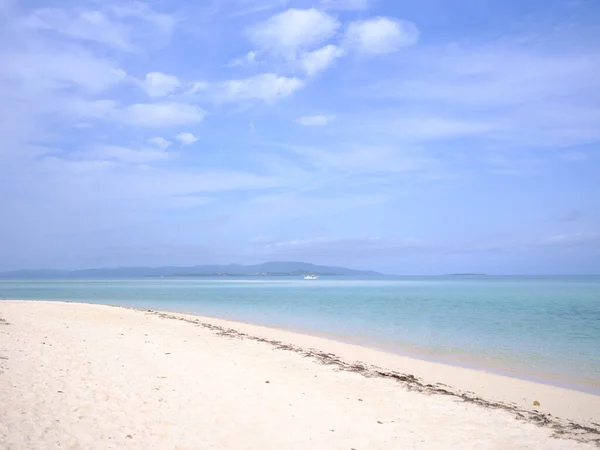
276 268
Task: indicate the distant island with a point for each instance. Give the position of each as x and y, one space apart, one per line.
466 275
258 274
269 269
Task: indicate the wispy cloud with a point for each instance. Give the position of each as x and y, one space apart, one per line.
158 84
121 26
365 247
376 160
45 69
497 74
416 125
186 138
248 7
403 247
124 154
346 5
428 128
248 60
318 60
380 35
160 114
272 209
315 121
571 239
266 86
364 159
160 142
532 98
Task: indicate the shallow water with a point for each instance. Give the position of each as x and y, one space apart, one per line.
543 328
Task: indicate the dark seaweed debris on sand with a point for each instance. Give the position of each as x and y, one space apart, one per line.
3 358
561 428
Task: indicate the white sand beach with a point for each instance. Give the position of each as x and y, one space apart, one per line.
82 376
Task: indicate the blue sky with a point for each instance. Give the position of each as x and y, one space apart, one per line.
410 137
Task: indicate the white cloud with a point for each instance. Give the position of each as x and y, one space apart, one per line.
315 121
47 69
121 154
266 86
84 25
47 79
198 86
432 128
294 36
123 27
186 138
188 201
248 60
249 7
370 159
357 159
512 163
270 208
139 114
160 114
533 98
381 35
160 142
293 30
318 60
98 109
346 5
496 75
69 167
158 84
141 12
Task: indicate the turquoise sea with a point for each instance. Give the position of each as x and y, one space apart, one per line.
541 328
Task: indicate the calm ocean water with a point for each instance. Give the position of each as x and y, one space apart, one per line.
542 328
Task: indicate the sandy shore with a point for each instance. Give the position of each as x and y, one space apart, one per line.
92 376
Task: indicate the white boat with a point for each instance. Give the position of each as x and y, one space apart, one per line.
311 277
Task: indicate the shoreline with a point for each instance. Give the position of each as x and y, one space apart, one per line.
453 375
403 350
130 347
372 358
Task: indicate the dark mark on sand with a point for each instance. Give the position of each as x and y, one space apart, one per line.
562 428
